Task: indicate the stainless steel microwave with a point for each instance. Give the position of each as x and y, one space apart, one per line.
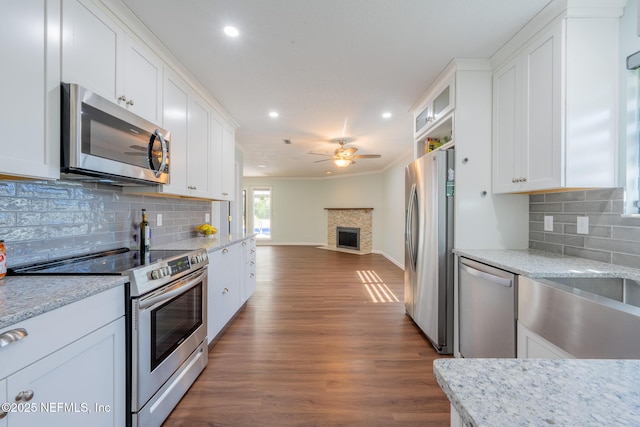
104 142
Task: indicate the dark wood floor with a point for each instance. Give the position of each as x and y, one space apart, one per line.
312 348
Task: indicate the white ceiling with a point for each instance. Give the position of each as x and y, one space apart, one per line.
329 67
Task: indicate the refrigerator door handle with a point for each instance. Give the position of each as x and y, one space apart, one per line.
409 226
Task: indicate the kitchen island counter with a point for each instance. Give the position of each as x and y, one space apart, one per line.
23 297
539 264
535 392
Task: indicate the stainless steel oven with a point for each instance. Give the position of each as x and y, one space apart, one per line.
167 325
168 346
166 318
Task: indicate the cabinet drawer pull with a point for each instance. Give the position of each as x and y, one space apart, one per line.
225 290
130 102
244 243
122 98
225 250
24 396
12 336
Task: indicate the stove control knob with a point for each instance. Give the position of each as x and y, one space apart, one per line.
167 271
155 274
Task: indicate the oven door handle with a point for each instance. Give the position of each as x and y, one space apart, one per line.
171 291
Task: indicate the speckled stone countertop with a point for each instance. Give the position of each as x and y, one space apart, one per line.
533 263
542 392
219 241
23 297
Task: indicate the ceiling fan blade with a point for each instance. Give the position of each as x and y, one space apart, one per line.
320 154
367 156
323 160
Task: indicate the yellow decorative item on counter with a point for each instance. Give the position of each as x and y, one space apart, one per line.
206 230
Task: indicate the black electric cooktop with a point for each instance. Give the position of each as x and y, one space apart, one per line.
112 262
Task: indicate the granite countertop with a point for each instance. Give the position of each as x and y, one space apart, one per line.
540 392
219 241
534 263
23 297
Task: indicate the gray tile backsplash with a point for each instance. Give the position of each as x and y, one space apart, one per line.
41 220
612 238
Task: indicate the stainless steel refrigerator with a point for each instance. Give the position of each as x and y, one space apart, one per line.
428 269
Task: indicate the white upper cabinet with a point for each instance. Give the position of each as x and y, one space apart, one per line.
141 84
198 148
175 120
227 176
30 101
432 115
555 102
99 55
90 44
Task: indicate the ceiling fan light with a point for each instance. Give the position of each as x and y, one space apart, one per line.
342 163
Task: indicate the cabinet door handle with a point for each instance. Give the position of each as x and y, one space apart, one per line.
244 243
12 336
130 102
122 98
24 396
225 250
225 290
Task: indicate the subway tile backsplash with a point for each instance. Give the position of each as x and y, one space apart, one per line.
612 238
42 220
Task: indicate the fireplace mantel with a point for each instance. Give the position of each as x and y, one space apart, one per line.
348 209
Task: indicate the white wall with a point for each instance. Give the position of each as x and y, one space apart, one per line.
394 212
299 215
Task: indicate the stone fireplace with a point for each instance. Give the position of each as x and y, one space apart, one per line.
350 219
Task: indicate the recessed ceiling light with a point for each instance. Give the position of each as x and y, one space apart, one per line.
231 31
386 115
273 114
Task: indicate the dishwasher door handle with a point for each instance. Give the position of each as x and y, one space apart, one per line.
507 283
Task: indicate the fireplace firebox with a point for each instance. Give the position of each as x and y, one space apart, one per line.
348 238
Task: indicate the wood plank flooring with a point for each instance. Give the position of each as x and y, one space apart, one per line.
312 348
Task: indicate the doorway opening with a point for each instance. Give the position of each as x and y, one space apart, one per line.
261 198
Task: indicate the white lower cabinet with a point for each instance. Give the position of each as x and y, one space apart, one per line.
533 346
69 367
248 269
3 398
224 287
231 283
78 385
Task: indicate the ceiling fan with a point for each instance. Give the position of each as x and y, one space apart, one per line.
345 156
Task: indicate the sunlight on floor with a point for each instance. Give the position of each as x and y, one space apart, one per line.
377 289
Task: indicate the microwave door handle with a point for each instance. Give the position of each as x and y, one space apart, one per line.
171 291
163 145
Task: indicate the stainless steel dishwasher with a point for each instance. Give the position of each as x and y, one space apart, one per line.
487 310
